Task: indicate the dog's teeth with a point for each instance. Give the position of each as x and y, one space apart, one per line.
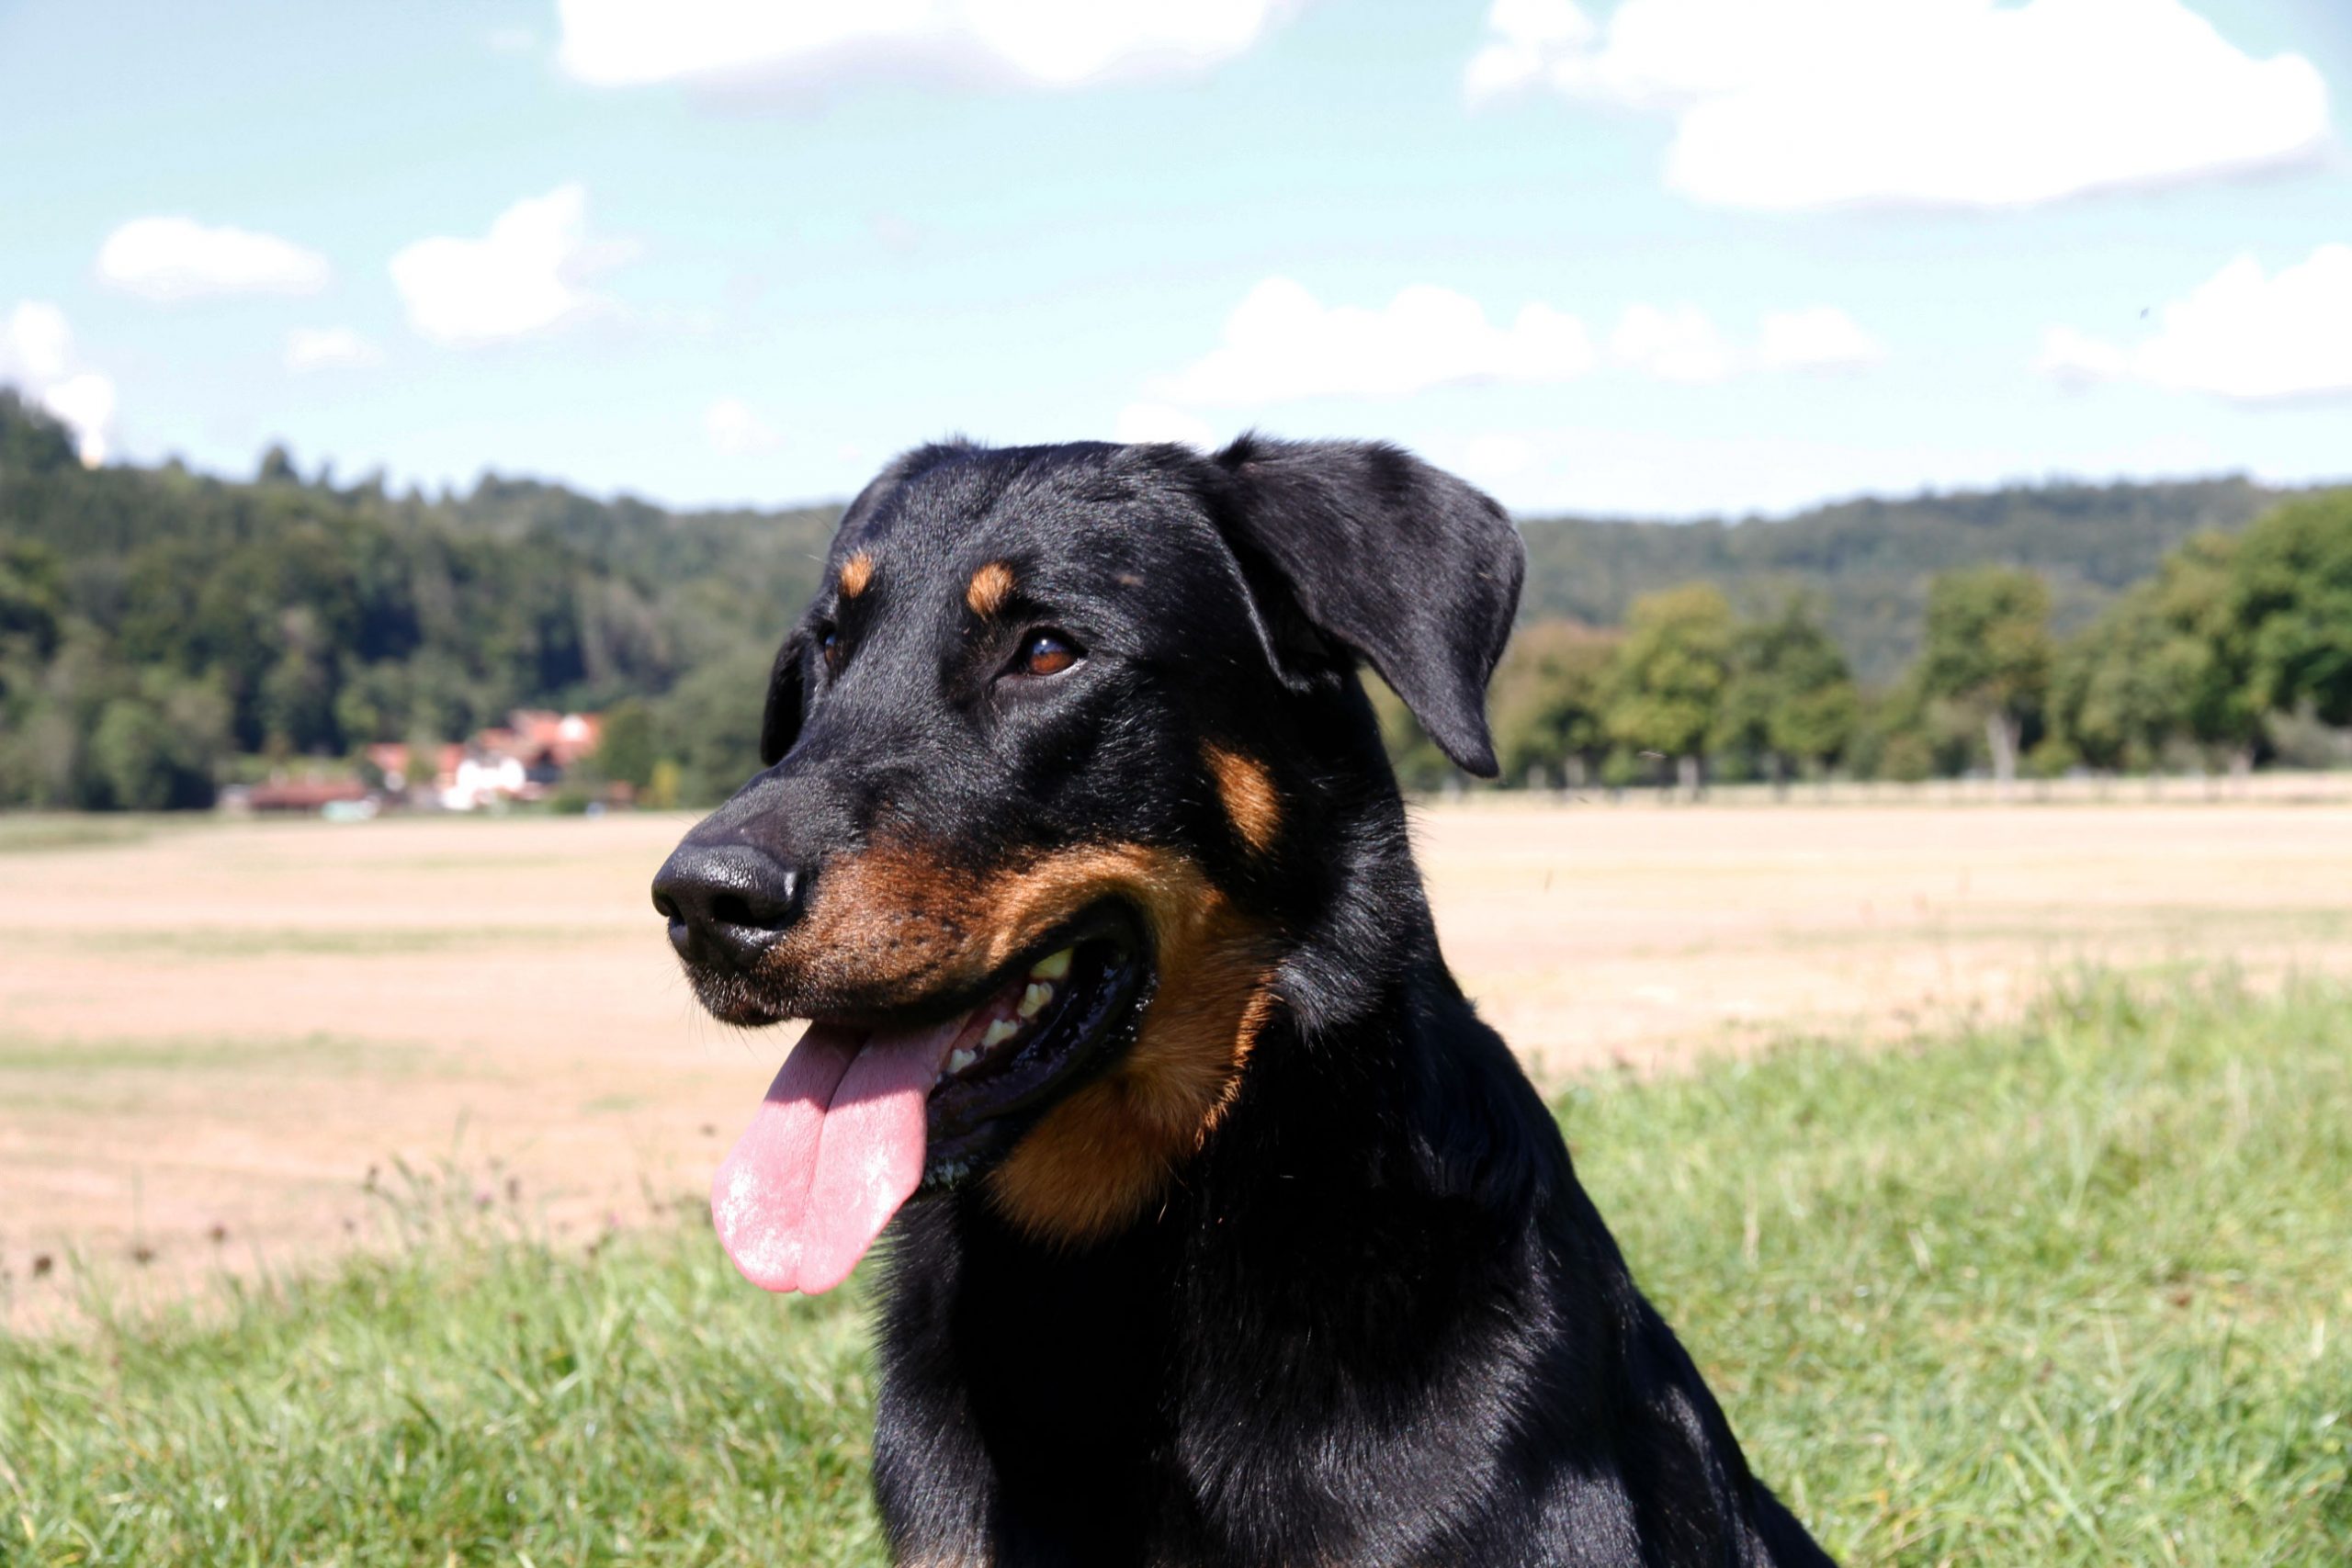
1002 1030
1033 1000
1051 968
958 1059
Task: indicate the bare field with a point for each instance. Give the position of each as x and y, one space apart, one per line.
210 1035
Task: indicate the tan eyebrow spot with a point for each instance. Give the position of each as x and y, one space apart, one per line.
990 586
1249 793
856 572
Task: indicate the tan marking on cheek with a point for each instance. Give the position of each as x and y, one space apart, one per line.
989 588
856 572
1247 792
896 923
1102 1157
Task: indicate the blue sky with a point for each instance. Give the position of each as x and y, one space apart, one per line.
1657 258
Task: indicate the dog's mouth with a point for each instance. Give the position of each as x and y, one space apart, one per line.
868 1109
1050 1023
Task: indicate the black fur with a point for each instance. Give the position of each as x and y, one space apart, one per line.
1375 1320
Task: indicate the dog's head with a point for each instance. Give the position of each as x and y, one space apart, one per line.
1048 762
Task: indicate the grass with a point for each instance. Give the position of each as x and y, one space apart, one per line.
2078 1292
2071 1292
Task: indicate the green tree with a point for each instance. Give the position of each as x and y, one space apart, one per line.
32 442
710 723
32 595
625 750
157 751
1790 697
2207 655
1893 738
1546 700
1986 651
40 755
297 693
2172 662
1665 689
373 704
2112 702
2291 599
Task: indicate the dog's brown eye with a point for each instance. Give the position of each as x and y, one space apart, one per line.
829 642
1046 653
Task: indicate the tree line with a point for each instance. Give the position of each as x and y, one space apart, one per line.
164 632
2233 641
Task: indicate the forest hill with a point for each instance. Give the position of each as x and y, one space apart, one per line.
2216 661
164 633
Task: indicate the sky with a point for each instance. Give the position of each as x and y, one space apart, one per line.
1636 257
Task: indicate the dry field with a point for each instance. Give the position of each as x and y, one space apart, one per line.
210 1035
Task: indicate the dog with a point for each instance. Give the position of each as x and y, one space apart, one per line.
1224 1231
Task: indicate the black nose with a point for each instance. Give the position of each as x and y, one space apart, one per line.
727 903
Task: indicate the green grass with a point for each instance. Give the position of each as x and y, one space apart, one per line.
2073 1292
2078 1291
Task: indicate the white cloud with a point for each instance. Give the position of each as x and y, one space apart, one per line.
171 259
735 429
324 348
2078 359
2243 334
1158 422
1526 39
1281 344
1054 42
1680 345
87 403
1795 104
522 278
1820 338
36 355
36 345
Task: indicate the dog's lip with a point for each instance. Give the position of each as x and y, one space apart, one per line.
974 1117
1107 922
750 1003
975 1113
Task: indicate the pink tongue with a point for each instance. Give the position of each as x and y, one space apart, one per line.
836 1147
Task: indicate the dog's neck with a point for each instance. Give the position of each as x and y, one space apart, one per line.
1375 1041
1371 933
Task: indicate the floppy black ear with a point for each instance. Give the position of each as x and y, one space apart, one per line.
1406 565
780 721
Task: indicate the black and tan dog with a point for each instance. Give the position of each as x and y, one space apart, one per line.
1226 1232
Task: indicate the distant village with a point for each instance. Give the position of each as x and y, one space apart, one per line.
534 758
